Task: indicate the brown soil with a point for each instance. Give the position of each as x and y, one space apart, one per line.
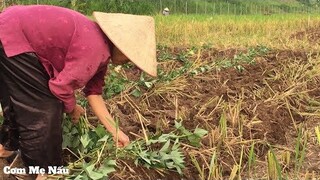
252 89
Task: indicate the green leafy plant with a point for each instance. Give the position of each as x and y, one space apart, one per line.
71 135
194 137
90 145
169 156
94 171
243 58
114 84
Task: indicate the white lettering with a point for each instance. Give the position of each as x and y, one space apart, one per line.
8 170
36 170
57 170
42 171
52 170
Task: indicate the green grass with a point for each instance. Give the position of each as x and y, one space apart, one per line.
181 6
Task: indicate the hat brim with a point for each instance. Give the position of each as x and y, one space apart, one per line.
133 35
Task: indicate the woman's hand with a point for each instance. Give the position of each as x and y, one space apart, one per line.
123 139
76 113
100 110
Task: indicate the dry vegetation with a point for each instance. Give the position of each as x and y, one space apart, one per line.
261 120
260 105
232 31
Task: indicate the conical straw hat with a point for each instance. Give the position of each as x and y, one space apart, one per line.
133 35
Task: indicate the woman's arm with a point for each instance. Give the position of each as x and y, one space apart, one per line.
100 110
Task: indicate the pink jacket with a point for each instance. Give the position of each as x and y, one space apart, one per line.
72 48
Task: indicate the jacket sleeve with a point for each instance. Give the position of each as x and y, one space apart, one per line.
95 85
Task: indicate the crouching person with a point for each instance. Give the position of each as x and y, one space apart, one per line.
48 52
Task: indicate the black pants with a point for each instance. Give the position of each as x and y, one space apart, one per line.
32 114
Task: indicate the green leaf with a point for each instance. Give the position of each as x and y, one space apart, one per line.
144 156
92 174
179 170
176 145
100 131
170 165
75 143
111 163
65 129
104 138
85 140
116 84
177 124
163 138
200 132
191 52
177 157
164 156
74 131
136 162
108 167
185 131
66 141
165 147
136 93
148 84
194 140
81 177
